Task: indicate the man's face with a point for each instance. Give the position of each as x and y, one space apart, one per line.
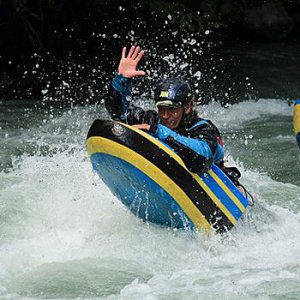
171 116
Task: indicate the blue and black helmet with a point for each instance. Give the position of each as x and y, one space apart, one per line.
173 92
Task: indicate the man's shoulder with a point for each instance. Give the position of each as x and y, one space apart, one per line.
202 125
201 122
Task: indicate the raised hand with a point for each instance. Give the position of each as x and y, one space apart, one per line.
128 64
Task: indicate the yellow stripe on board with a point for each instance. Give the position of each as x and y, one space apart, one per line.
297 118
197 177
227 191
159 144
103 145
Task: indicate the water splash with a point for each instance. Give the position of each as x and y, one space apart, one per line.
63 234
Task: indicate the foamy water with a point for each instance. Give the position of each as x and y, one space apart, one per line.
64 235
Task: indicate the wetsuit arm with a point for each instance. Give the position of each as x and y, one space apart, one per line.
195 153
199 146
120 107
119 97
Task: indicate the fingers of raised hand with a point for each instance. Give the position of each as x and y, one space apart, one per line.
140 55
129 55
123 53
139 73
134 53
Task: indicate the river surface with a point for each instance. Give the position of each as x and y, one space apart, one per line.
63 235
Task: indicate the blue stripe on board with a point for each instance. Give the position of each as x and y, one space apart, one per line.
298 138
222 196
143 196
230 185
297 102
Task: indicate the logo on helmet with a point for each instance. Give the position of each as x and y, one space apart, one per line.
164 94
176 90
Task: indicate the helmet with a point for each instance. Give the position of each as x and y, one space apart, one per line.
173 92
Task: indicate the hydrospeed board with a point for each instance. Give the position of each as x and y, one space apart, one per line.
154 183
297 121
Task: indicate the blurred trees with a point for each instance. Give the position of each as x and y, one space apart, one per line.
45 42
28 23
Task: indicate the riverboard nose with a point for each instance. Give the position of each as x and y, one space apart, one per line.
297 120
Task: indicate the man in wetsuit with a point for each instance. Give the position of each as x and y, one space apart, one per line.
197 141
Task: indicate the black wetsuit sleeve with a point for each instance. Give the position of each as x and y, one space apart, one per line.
207 132
137 115
113 104
120 107
211 135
